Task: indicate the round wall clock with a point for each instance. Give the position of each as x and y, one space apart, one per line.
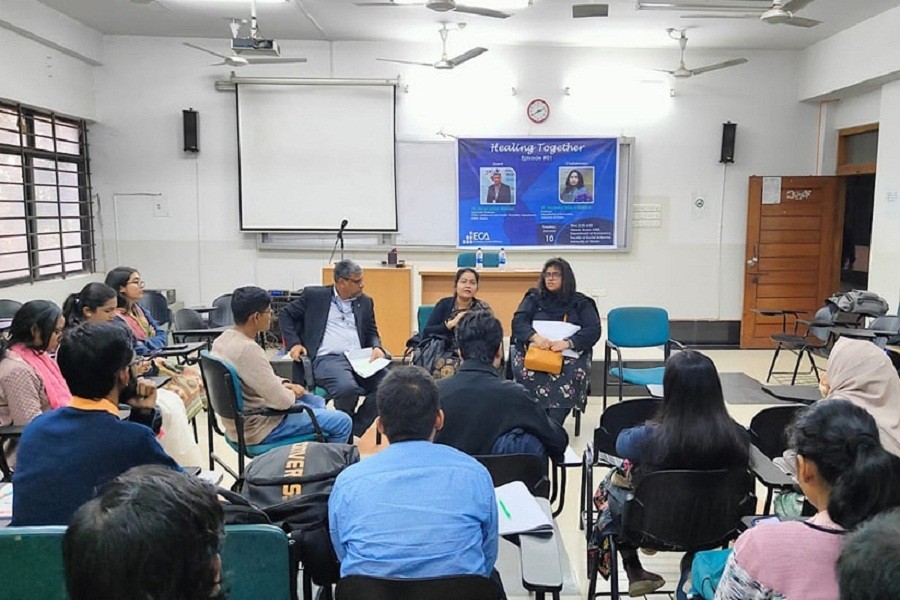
538 110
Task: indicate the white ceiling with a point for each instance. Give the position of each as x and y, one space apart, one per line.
546 22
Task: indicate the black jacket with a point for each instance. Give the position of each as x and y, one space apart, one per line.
582 310
479 407
443 311
303 320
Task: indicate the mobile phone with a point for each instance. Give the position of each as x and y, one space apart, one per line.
765 520
176 347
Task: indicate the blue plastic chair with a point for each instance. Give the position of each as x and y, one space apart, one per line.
467 259
635 327
223 390
256 562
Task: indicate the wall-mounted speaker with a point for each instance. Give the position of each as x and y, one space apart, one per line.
191 122
728 132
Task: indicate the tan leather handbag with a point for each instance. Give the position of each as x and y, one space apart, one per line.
547 361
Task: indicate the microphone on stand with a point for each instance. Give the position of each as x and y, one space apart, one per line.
339 238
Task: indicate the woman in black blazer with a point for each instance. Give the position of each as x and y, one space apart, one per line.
555 299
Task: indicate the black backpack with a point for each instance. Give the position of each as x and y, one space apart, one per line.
291 485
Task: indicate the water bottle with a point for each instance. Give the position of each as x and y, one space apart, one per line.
479 259
501 259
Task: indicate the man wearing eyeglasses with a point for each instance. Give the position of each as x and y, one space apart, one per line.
323 323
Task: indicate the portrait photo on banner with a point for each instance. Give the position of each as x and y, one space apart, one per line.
576 185
498 185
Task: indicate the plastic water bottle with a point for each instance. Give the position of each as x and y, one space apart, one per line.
479 260
501 259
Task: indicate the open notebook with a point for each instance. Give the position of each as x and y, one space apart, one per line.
519 512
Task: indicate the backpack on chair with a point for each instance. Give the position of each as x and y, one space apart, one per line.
291 485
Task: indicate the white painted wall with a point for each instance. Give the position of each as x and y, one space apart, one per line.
146 82
865 54
884 256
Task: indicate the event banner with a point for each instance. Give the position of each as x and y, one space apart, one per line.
537 192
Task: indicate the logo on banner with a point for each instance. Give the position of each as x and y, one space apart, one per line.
477 236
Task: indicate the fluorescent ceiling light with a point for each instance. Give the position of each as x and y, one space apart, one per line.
694 6
494 4
244 2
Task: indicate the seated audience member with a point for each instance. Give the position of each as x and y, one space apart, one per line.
30 381
261 387
96 303
326 321
481 409
152 533
67 454
869 565
847 475
416 509
692 431
148 335
861 372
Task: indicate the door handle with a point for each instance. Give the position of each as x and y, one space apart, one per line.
752 262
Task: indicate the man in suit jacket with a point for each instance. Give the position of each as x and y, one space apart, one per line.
481 409
499 192
324 322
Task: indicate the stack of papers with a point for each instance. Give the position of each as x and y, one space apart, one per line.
360 363
519 512
558 330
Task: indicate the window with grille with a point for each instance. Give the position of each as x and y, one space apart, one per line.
46 224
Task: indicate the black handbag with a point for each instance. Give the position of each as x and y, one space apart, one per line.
437 355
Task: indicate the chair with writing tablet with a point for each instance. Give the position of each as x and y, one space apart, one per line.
223 390
530 469
458 587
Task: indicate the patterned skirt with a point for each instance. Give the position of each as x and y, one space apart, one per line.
565 390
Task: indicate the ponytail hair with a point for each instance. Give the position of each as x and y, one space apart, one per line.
92 296
841 439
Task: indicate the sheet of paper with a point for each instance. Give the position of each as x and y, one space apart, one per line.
359 362
558 330
211 477
6 500
519 512
771 190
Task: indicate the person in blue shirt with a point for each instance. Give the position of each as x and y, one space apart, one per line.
66 455
416 510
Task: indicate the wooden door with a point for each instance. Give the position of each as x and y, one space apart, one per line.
793 251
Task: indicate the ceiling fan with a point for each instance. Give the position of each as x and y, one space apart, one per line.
683 72
444 62
445 6
781 12
251 50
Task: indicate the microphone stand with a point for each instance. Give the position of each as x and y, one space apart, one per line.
339 238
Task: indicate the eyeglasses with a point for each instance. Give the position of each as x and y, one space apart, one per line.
552 275
355 281
137 282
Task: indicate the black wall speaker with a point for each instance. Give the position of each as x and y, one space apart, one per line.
191 119
728 132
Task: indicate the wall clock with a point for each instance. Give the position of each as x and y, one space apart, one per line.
538 110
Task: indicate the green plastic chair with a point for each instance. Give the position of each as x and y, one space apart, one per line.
423 314
31 564
256 563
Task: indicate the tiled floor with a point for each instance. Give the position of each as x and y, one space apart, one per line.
752 362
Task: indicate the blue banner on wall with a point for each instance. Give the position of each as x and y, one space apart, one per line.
537 192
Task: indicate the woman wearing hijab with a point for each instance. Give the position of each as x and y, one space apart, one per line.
861 372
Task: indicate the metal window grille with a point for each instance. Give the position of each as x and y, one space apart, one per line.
46 217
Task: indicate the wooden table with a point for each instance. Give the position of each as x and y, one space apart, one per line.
502 289
391 289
